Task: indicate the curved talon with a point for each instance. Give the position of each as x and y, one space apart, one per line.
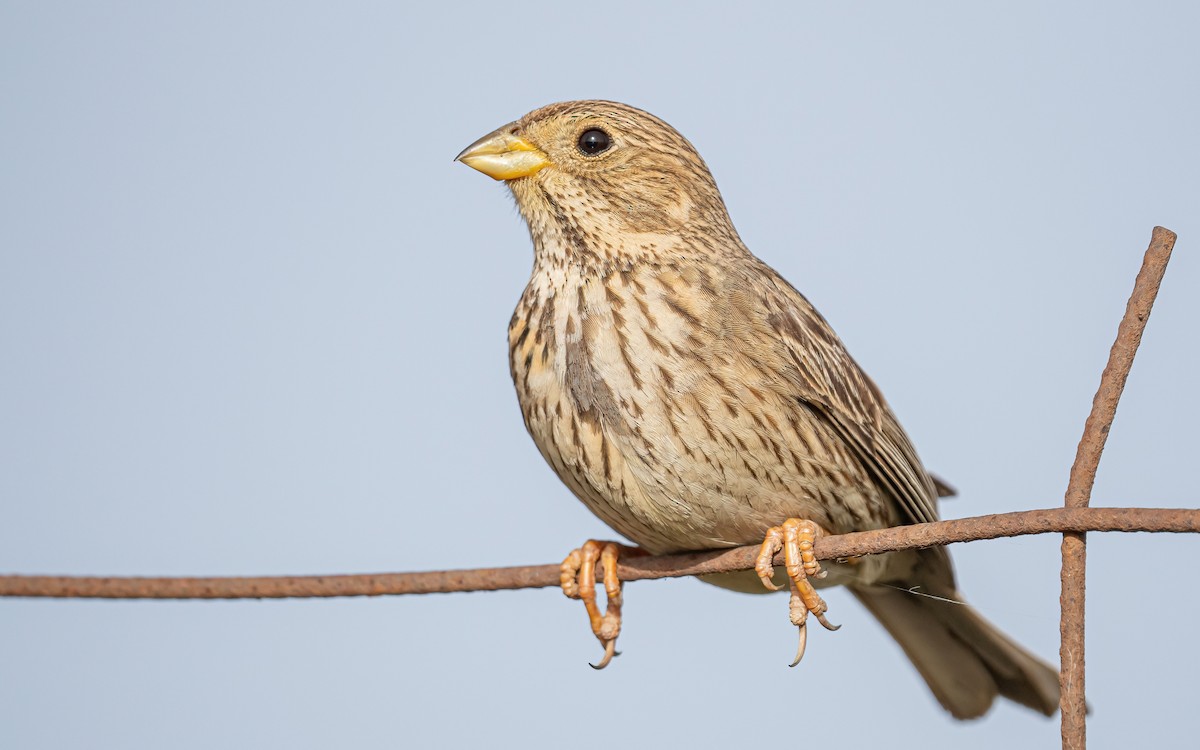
800 648
827 625
609 652
766 581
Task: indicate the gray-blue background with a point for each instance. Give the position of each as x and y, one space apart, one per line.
252 322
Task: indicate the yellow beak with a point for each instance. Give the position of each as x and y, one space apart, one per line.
503 156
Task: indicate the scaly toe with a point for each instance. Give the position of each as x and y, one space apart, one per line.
764 564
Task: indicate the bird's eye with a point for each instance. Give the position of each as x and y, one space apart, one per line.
594 141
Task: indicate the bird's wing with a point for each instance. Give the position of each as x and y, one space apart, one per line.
824 375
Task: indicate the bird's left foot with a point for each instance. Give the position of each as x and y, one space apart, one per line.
796 538
577 574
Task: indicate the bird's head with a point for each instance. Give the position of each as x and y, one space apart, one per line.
603 181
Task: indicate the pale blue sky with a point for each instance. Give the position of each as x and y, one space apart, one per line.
253 322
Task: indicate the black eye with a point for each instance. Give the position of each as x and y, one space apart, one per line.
594 141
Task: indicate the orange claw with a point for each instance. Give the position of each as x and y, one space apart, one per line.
796 538
577 575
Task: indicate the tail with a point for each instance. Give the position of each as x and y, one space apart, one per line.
964 659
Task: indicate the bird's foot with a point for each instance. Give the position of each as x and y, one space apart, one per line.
577 574
796 538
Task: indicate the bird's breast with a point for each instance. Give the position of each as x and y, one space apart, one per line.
647 401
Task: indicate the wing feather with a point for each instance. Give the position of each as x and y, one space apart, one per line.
827 377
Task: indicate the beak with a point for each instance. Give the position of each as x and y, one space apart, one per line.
503 156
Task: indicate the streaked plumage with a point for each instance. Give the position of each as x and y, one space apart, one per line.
692 398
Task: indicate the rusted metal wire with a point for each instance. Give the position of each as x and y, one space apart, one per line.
1072 703
1054 520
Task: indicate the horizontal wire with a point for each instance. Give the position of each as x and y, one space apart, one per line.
631 567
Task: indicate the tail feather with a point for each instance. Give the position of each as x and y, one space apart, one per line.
963 658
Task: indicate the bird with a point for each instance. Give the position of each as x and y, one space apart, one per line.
694 400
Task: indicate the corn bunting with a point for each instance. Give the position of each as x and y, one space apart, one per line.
694 400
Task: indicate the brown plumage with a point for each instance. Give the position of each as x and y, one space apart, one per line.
691 398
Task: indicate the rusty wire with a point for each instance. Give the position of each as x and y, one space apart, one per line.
1073 521
631 568
1072 703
